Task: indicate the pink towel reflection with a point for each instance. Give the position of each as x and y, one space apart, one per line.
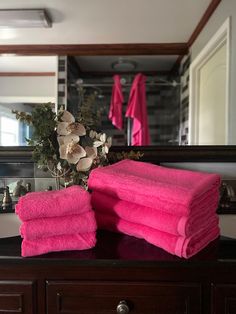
117 99
137 110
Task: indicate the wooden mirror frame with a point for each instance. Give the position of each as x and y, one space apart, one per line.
153 154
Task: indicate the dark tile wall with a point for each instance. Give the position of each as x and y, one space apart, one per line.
163 103
62 81
184 100
10 173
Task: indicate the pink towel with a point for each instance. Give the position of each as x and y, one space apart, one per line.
176 245
55 226
137 109
177 225
70 201
58 243
117 99
176 191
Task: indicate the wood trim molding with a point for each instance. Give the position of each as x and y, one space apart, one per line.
195 153
27 74
114 49
205 18
154 154
176 65
97 49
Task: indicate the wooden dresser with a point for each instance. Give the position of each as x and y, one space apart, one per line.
121 275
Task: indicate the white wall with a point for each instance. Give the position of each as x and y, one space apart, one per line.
27 89
227 8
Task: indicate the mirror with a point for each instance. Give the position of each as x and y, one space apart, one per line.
26 81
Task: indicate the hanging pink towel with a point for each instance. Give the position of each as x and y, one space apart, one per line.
173 224
68 242
176 191
137 110
69 201
176 245
117 99
55 226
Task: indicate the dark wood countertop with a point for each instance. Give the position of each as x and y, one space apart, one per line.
120 250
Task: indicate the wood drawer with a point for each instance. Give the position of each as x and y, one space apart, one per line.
224 298
16 297
103 297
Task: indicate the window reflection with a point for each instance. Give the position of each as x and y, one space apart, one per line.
12 131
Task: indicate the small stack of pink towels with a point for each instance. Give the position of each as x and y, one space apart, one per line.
56 221
171 208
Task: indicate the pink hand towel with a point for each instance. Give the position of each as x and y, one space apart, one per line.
117 99
155 186
173 224
70 201
58 243
55 226
176 245
137 109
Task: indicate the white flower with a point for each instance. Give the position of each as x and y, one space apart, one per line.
91 152
72 152
69 126
67 117
103 141
107 145
69 132
68 139
84 164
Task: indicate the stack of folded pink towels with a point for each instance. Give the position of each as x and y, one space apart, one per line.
56 221
171 208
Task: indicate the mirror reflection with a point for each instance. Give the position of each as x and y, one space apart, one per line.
87 82
95 75
26 82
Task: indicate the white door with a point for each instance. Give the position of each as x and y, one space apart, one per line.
212 97
209 90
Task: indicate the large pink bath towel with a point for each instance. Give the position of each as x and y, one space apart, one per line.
117 99
155 186
58 243
174 224
55 226
137 110
176 245
69 201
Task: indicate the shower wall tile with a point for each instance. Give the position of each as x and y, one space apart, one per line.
19 170
39 173
12 182
184 101
43 184
62 81
2 183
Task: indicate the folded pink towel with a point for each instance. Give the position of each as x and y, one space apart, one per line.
117 99
52 226
177 225
176 245
69 201
58 243
155 186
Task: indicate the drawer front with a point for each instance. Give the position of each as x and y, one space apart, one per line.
16 297
104 297
224 298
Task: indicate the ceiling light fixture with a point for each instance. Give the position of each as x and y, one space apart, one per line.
24 18
124 65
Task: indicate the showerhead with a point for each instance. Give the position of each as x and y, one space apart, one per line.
124 65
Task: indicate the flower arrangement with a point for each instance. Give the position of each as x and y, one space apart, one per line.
64 146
